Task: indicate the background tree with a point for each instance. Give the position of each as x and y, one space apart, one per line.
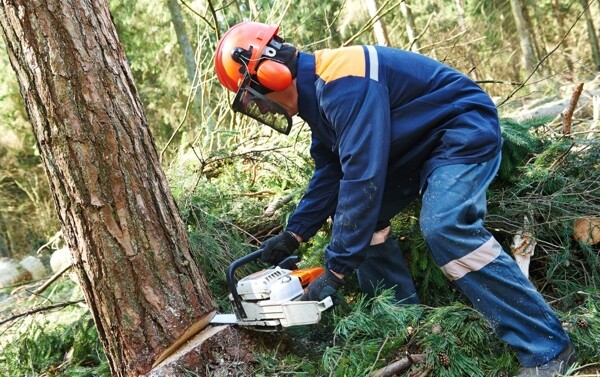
595 47
188 53
379 26
411 29
129 244
528 60
460 14
559 19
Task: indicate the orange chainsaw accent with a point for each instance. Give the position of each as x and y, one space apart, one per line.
307 275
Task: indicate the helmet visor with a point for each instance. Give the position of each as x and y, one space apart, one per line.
250 102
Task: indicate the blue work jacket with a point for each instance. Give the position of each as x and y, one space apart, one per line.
380 115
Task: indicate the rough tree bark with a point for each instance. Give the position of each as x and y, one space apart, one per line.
129 244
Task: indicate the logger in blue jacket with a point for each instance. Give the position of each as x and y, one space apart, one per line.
389 126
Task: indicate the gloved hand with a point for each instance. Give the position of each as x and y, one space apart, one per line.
325 285
279 247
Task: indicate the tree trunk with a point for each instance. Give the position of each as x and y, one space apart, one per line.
591 34
562 31
527 55
4 251
462 22
460 14
187 51
537 33
411 30
534 36
130 247
379 28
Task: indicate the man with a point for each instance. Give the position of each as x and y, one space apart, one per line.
389 126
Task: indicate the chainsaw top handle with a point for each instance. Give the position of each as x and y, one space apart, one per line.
288 263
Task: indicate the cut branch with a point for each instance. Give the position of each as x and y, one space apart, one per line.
399 365
277 203
51 280
567 114
41 309
52 240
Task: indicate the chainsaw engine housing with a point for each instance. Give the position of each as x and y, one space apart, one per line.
267 298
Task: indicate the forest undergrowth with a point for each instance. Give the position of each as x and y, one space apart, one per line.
547 182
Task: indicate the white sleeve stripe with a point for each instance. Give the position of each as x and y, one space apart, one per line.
373 63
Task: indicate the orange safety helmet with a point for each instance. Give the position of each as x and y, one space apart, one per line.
252 60
245 49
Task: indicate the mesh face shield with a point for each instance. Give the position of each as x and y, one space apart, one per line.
252 103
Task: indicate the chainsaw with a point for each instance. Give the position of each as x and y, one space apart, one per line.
267 300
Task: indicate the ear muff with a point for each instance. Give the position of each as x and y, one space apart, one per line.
274 75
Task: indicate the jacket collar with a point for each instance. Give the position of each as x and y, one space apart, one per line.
306 85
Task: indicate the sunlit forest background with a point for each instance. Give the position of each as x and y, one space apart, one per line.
226 170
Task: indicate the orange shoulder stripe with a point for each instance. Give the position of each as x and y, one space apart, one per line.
340 62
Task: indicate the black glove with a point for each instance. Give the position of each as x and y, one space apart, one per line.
325 285
279 247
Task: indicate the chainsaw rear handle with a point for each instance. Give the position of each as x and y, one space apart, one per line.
289 263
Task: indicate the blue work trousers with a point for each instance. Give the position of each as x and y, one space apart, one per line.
452 223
